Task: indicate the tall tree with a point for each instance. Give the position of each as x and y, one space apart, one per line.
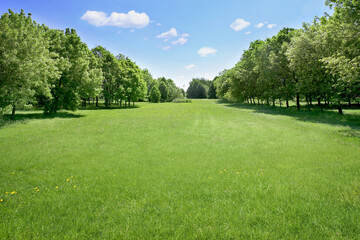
25 60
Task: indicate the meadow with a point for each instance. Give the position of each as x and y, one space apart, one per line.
200 170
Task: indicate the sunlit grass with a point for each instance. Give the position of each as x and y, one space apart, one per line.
199 170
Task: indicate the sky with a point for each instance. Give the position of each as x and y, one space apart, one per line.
180 39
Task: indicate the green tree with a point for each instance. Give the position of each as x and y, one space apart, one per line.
163 91
25 60
155 94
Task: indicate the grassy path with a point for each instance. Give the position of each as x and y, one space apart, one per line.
181 171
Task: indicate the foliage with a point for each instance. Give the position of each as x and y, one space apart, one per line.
319 62
155 94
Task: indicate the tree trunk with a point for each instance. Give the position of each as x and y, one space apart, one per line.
349 103
319 101
340 108
280 102
310 100
133 103
287 103
273 103
297 101
120 102
258 102
97 101
307 101
13 112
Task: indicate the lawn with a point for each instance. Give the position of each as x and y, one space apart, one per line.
200 170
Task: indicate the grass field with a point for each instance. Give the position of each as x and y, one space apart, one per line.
200 170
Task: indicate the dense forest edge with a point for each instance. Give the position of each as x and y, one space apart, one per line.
53 69
319 63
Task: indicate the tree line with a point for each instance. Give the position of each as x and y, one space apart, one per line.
55 70
320 62
201 88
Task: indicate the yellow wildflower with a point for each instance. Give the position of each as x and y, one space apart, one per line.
237 173
74 186
6 192
37 190
57 187
221 172
13 192
13 173
1 200
67 179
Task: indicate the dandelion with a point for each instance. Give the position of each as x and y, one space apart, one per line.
6 192
57 187
37 190
13 192
74 186
237 173
1 200
67 179
13 173
221 172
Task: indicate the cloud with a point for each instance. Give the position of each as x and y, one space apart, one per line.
270 26
247 33
131 19
260 25
190 66
169 34
185 35
132 30
205 51
239 24
180 41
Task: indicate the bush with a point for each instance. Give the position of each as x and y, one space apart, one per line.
181 100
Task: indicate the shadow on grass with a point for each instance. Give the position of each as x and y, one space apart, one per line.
23 117
328 116
91 107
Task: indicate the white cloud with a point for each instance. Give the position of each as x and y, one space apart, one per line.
270 26
131 19
190 66
205 51
169 34
132 30
266 22
239 24
247 33
185 35
260 25
180 41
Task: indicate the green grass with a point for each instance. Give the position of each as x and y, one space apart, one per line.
204 170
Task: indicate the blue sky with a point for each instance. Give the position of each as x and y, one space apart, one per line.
176 39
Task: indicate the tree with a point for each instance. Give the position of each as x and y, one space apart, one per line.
155 94
163 91
198 88
24 70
